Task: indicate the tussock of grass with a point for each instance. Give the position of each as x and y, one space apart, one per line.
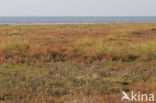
14 33
111 37
6 46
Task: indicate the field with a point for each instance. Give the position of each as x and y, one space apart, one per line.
76 63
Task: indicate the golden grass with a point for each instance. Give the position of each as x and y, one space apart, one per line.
14 45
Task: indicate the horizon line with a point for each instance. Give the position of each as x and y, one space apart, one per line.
77 16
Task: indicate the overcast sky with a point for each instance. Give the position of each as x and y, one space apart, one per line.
77 7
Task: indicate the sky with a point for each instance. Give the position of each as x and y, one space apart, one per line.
77 7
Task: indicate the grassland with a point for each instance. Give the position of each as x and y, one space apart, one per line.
78 63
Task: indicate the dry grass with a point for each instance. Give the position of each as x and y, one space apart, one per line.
79 42
79 63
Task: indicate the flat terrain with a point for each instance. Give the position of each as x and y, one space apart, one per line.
76 63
